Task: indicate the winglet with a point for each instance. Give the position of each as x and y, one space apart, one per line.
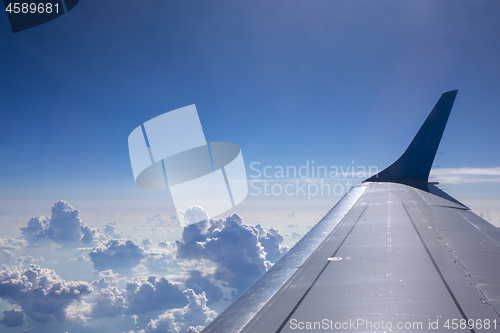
416 162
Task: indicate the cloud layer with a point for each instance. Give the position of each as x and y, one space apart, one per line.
466 175
215 260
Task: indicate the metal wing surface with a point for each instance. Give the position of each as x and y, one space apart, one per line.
396 254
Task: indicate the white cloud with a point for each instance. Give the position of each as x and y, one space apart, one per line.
146 242
116 254
21 261
110 230
161 260
271 240
229 256
41 293
12 244
237 249
9 246
194 214
63 226
199 282
80 257
109 302
107 279
154 293
466 175
191 318
140 296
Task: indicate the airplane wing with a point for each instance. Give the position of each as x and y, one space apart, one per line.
394 254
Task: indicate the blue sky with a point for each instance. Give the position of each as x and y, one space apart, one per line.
289 81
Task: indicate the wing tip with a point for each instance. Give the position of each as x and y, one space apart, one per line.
416 162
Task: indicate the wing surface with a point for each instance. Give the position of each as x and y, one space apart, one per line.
395 254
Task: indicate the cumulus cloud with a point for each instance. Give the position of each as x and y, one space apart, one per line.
116 254
63 226
109 302
191 318
237 249
194 214
89 235
140 296
165 244
12 318
271 240
199 283
35 224
155 293
106 280
41 293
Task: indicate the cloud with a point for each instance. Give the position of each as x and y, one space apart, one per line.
110 230
160 260
8 254
146 242
107 279
271 240
63 226
194 214
23 260
109 302
155 293
40 292
12 318
116 254
466 175
9 246
234 247
166 244
201 283
140 296
89 235
486 216
35 224
191 318
80 257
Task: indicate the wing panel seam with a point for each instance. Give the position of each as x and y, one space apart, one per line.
450 292
319 275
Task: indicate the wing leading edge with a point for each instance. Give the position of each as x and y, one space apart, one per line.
394 254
